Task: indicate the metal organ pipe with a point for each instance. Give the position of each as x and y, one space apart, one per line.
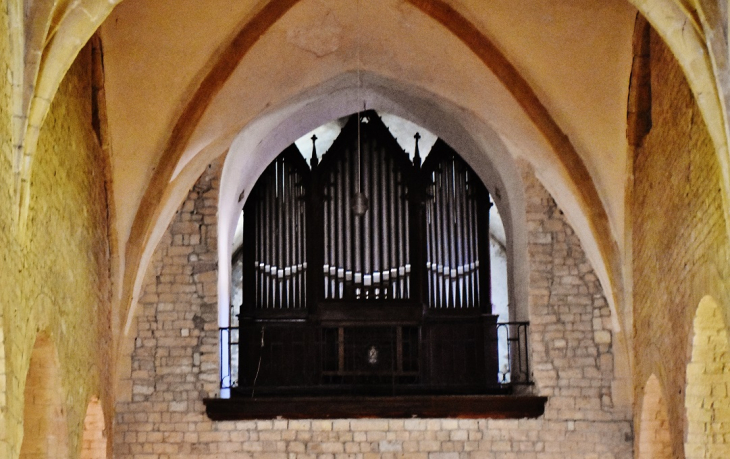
367 256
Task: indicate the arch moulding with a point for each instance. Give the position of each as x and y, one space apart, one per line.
705 71
148 224
260 142
75 25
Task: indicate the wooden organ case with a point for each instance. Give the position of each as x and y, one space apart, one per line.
367 273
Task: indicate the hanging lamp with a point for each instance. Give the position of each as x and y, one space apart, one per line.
360 202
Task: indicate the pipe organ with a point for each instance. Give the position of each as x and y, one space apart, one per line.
367 272
367 257
275 227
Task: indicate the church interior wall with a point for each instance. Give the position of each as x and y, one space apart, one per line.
174 354
8 250
146 394
55 268
679 236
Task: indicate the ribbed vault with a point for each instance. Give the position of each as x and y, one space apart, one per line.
200 122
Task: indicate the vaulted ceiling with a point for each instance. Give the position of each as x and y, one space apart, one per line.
540 81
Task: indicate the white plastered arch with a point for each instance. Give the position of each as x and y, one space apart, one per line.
259 95
259 143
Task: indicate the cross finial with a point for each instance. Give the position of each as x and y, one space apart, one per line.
417 156
314 161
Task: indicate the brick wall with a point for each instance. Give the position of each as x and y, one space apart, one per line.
707 399
679 236
55 277
94 444
174 363
569 316
653 440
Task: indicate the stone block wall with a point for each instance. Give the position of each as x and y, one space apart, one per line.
54 274
7 257
174 363
679 235
707 398
570 319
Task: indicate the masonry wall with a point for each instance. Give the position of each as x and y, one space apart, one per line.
54 274
10 295
174 364
679 236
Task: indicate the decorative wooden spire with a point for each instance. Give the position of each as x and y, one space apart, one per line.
314 161
417 156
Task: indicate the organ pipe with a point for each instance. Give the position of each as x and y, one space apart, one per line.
423 237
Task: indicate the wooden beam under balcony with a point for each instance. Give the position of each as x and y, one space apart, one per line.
412 406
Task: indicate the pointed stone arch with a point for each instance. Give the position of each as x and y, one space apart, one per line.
45 38
45 428
707 401
157 206
701 52
94 439
654 438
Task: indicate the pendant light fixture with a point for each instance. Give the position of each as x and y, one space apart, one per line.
360 202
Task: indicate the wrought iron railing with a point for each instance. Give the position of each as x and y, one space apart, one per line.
514 353
383 359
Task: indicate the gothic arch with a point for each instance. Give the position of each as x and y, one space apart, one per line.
164 190
707 401
696 42
94 440
157 202
654 438
45 428
255 147
63 43
45 39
